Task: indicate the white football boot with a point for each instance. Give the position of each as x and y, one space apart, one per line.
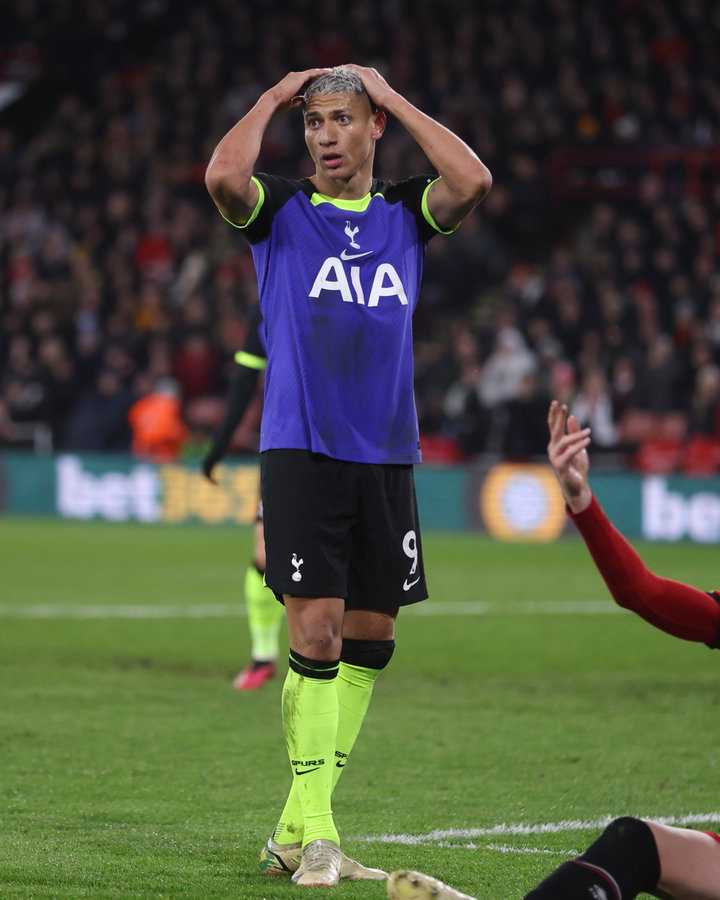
405 885
320 865
284 859
280 859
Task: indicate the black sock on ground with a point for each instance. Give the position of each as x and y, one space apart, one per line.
623 862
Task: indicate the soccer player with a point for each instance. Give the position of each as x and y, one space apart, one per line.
339 256
630 857
263 612
674 607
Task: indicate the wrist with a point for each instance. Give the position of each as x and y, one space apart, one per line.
393 102
580 502
270 101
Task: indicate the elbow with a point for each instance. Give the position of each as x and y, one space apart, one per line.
226 182
474 186
214 178
481 181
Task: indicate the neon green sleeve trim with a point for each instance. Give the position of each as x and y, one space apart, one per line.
255 212
250 361
428 215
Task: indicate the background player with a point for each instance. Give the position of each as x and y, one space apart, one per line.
339 257
674 607
263 611
630 857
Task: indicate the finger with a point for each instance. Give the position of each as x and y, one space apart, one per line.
559 426
573 426
551 413
568 440
563 459
552 416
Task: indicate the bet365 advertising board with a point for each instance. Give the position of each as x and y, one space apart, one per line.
507 501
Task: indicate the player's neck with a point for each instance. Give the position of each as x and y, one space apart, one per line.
354 188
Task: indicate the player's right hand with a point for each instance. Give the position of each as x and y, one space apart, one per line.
567 452
287 91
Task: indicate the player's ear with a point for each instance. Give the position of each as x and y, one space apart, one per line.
379 123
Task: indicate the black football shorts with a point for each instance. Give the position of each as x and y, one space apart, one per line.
341 529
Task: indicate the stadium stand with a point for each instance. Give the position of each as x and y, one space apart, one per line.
590 273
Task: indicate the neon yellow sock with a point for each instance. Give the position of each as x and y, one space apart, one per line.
354 688
264 617
310 722
291 827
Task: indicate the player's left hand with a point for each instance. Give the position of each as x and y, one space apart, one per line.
210 460
378 90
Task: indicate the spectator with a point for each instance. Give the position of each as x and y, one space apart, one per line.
656 389
158 432
98 422
705 412
109 246
593 407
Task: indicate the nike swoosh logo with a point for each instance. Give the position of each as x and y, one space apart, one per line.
340 765
346 256
406 586
307 771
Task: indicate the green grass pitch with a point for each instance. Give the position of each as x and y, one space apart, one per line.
130 768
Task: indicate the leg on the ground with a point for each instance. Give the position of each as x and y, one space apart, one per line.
622 862
689 863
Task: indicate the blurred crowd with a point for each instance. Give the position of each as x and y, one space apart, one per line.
123 294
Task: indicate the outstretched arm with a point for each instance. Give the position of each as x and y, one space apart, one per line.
229 174
674 607
464 180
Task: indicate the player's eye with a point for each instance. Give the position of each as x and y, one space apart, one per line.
343 119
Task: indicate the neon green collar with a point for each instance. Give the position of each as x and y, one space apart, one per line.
355 205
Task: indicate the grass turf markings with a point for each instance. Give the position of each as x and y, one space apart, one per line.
229 610
439 837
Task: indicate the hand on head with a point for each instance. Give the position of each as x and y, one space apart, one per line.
378 90
567 452
289 89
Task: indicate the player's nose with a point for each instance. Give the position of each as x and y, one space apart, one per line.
328 136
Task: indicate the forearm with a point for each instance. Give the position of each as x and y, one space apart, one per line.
455 161
231 166
676 608
240 393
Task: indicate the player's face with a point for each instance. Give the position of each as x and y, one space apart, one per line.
340 133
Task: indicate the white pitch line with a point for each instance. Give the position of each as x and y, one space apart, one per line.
237 610
124 611
505 848
525 829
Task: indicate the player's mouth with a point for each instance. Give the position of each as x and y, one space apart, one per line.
331 160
